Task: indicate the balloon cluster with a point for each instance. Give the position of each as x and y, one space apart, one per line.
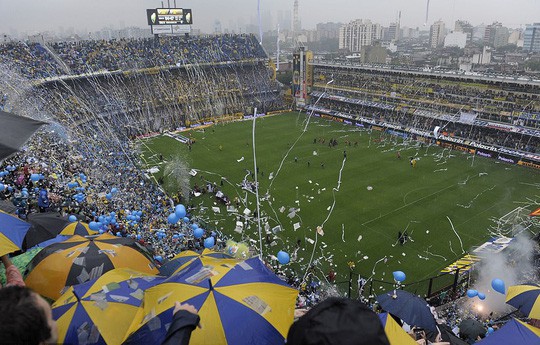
178 214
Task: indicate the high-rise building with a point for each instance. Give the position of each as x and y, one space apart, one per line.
531 38
436 34
464 26
328 30
496 35
393 32
358 33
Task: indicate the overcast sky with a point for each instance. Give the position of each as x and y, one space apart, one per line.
34 16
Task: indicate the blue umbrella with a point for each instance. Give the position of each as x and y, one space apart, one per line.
12 232
185 258
410 308
513 332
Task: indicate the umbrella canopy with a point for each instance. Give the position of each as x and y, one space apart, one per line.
513 332
44 227
526 298
396 335
183 259
471 329
449 336
79 259
15 132
101 311
239 302
77 228
20 261
12 232
408 307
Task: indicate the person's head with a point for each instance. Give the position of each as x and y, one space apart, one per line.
338 321
25 317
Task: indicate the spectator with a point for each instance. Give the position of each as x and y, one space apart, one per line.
25 317
185 319
338 321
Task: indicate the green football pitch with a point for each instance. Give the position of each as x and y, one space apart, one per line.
358 191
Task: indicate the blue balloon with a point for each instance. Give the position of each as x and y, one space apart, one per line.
283 257
194 226
139 213
209 242
180 211
490 330
158 258
119 234
34 177
186 220
498 285
9 188
472 293
481 296
108 196
100 231
172 219
399 276
198 233
93 226
114 190
72 218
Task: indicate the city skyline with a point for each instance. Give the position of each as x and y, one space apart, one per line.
33 17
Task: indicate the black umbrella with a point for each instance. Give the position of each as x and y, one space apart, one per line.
471 329
449 336
14 132
410 308
44 227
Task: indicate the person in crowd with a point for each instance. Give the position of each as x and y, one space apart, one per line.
185 320
25 317
338 321
13 275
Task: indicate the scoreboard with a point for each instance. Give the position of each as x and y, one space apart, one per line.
169 16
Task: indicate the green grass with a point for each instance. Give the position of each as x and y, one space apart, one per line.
443 184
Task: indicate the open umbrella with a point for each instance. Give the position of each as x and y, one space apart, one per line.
15 131
79 259
239 302
77 228
513 332
183 259
12 232
44 227
526 298
471 329
396 335
410 308
101 311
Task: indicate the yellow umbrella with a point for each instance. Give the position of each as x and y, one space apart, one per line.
185 258
238 301
78 228
526 298
396 335
102 310
79 259
12 232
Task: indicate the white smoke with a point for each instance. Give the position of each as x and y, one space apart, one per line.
514 265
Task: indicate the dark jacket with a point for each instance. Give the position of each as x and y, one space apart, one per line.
183 324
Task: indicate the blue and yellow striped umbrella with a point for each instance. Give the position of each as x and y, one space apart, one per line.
101 311
12 232
239 302
526 298
77 228
183 259
513 332
395 334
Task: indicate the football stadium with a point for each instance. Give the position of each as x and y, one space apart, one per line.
172 189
